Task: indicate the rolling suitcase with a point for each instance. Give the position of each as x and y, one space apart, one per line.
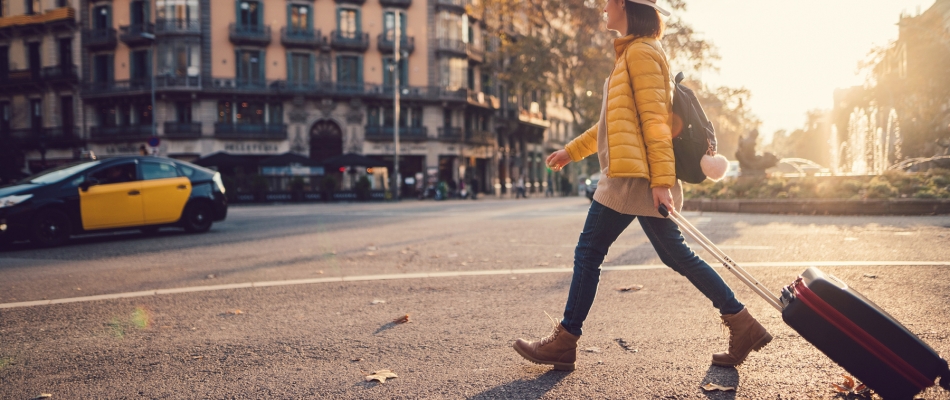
850 329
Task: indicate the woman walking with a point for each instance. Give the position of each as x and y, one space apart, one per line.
633 142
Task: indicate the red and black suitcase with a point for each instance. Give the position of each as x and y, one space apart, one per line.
850 329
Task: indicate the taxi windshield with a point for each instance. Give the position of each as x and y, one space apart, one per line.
59 173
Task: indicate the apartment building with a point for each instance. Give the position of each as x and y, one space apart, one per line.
259 78
40 123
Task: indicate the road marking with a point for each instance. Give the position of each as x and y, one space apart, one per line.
450 274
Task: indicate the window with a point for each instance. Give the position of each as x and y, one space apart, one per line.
62 3
139 67
300 68
349 23
249 14
102 68
138 12
183 111
182 13
275 114
179 59
249 69
415 116
389 25
349 70
142 114
66 114
33 7
388 65
224 112
449 26
453 72
33 50
4 116
3 6
115 174
65 52
4 62
154 170
299 18
36 113
107 116
101 17
250 112
446 117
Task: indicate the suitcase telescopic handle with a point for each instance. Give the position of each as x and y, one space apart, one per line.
727 262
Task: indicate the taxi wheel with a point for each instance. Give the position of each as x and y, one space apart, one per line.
50 228
197 218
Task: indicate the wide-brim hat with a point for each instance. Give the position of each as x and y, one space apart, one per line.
651 3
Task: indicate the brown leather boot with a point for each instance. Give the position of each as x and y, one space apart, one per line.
745 335
559 349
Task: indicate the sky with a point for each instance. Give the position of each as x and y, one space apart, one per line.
793 54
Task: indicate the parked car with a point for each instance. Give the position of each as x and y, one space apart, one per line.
118 193
592 185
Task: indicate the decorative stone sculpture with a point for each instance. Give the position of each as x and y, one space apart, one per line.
751 164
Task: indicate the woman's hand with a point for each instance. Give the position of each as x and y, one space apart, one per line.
558 160
662 195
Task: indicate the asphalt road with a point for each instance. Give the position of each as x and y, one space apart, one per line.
467 287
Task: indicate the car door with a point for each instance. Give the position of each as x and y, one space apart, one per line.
164 192
111 197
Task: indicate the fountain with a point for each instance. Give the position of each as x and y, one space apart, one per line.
872 143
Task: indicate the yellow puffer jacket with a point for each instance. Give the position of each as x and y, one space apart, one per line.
632 153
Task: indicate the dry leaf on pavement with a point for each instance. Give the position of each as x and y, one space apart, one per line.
850 386
381 376
43 396
633 288
593 350
378 302
402 320
712 386
235 312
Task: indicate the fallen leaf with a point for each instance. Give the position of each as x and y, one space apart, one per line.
557 256
371 253
210 276
235 312
320 272
378 302
593 350
850 386
43 396
626 346
371 248
712 386
633 288
197 357
872 276
381 376
453 255
404 252
356 359
402 320
464 263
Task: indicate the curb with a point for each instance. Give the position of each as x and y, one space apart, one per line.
822 206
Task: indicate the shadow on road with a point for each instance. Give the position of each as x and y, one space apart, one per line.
523 388
722 376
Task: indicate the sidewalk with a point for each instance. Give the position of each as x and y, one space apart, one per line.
320 340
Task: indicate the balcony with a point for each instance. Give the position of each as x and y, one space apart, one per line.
105 89
182 27
449 94
182 130
242 131
251 35
451 46
120 133
396 3
450 133
456 5
480 99
138 34
62 18
100 39
60 75
358 2
349 41
479 137
21 80
475 52
406 133
46 138
302 38
174 82
387 44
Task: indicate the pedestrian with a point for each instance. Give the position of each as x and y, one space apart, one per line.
638 175
474 185
520 191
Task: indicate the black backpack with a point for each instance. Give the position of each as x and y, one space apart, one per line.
697 136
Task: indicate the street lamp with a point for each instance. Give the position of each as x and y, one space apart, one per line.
396 18
151 72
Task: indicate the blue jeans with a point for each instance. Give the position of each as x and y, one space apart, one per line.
602 228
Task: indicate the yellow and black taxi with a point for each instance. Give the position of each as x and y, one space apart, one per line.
141 192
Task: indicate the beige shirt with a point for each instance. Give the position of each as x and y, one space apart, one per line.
632 196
